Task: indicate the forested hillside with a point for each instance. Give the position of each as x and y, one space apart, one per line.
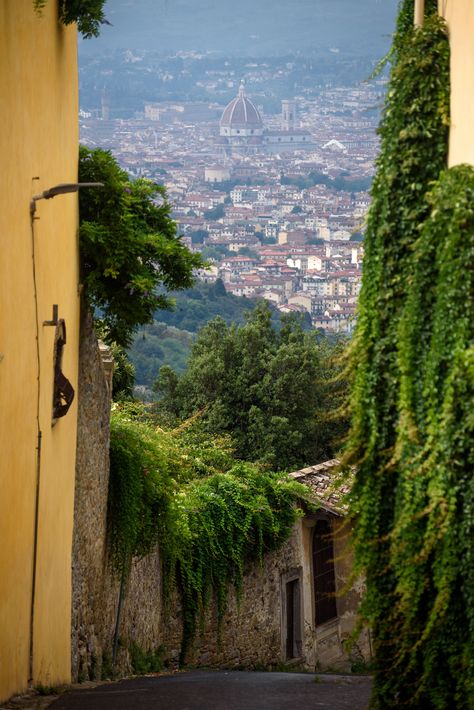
168 339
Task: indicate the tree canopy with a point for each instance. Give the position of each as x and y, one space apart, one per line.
267 388
89 14
130 251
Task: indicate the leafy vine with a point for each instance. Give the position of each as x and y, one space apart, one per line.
208 513
413 362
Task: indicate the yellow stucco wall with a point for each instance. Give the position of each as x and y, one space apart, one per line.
459 15
38 138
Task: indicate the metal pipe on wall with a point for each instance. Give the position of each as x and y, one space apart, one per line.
419 13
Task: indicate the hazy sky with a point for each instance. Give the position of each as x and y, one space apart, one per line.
248 27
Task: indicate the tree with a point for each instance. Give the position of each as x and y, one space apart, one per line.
198 236
130 252
216 212
260 385
88 14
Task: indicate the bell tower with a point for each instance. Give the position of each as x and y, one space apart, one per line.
105 105
288 115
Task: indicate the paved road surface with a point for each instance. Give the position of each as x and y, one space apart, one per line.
224 690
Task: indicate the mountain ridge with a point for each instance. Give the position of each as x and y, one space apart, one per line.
249 27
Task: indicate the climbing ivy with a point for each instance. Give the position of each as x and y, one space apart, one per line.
411 400
225 521
432 540
208 513
140 489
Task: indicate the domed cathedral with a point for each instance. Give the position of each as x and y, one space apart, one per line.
242 132
241 127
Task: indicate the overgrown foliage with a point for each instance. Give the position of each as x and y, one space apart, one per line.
432 539
140 490
411 436
208 513
144 662
89 14
226 520
129 246
266 388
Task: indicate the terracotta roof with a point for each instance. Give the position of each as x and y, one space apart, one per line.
326 485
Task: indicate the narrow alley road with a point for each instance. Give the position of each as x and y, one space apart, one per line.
224 690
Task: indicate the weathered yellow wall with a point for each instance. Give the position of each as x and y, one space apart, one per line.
38 138
459 15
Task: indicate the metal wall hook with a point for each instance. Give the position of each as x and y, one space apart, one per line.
55 318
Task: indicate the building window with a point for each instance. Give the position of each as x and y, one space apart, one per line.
323 573
292 646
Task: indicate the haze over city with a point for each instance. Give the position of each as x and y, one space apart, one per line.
273 189
248 27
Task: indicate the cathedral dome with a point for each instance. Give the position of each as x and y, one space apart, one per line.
241 113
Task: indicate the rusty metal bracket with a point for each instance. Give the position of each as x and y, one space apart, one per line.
55 319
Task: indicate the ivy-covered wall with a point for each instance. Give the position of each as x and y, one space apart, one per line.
412 394
250 633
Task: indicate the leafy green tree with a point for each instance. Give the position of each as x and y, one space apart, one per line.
124 375
219 289
198 236
216 212
89 14
260 385
130 252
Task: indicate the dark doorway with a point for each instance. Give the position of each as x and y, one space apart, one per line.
323 573
293 619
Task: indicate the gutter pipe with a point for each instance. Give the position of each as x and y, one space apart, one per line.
419 13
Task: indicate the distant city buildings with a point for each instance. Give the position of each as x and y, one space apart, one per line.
274 218
242 131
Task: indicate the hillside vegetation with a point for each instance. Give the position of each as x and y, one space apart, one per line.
167 341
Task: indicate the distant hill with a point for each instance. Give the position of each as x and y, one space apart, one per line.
168 340
248 27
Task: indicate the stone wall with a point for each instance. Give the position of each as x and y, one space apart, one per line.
95 588
251 634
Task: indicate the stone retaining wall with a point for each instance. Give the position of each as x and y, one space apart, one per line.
251 634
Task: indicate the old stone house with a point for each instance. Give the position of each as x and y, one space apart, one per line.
319 598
